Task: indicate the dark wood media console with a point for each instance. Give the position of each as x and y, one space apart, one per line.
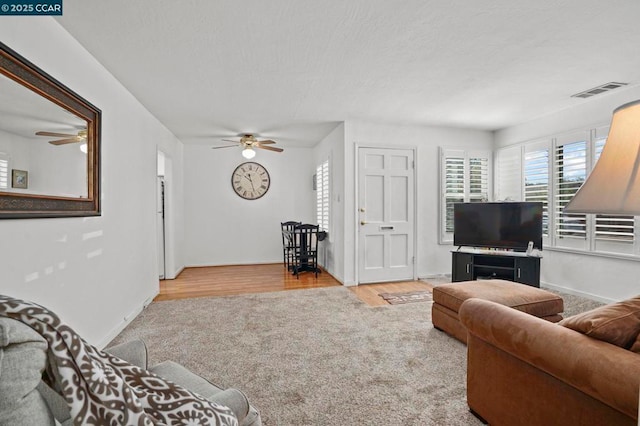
518 267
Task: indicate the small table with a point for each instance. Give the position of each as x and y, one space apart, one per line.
297 236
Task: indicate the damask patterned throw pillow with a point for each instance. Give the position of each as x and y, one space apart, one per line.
102 389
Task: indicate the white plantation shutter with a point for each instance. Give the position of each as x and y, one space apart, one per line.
465 177
478 178
454 187
323 195
536 181
4 171
508 174
553 170
611 228
570 172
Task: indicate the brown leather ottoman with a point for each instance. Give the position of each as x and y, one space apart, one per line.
447 299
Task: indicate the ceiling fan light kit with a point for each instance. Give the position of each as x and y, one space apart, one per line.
248 153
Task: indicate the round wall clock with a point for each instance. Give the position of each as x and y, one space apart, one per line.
250 180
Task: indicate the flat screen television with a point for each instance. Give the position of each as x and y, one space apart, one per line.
508 225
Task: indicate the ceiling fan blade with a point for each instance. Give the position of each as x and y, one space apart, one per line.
226 146
60 135
270 148
266 141
64 141
230 140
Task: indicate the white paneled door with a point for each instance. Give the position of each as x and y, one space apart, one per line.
386 220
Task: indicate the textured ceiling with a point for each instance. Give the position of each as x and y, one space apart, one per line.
292 69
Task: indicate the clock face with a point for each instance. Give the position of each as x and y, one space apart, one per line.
250 180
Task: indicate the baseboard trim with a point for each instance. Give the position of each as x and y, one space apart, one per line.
176 273
576 292
126 321
443 276
208 265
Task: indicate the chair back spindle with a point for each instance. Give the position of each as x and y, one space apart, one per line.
287 242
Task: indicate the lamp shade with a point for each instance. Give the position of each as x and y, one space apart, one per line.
613 187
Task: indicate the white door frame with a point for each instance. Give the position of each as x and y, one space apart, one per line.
160 228
356 215
169 225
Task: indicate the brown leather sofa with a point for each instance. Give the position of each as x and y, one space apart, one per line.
523 370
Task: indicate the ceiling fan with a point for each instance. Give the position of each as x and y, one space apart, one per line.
81 136
248 142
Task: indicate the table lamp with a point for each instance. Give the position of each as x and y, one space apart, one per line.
613 187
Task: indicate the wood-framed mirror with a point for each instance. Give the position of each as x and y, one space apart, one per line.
49 145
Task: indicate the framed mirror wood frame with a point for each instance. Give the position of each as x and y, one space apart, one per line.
16 205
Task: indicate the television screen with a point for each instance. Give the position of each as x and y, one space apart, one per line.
499 225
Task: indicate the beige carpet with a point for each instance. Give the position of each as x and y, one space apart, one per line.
316 357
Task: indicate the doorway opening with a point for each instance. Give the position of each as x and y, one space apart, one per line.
160 215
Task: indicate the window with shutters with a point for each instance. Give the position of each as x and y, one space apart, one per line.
553 170
465 177
536 181
454 187
570 172
323 195
613 233
4 171
508 174
478 179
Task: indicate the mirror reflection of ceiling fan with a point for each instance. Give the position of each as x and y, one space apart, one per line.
248 142
81 136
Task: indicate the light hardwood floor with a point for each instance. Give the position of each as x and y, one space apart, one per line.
369 293
238 279
247 279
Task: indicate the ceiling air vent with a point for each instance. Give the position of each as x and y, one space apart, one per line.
600 89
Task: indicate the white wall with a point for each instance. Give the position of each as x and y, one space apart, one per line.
47 177
332 146
223 229
432 258
17 149
42 161
595 276
95 272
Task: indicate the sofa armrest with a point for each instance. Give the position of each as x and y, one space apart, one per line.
603 371
180 375
134 352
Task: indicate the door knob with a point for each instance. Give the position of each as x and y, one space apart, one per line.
362 222
362 209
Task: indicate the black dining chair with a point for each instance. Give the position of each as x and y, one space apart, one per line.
287 242
305 239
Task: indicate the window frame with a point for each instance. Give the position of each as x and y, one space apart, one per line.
5 175
591 245
607 244
542 149
444 236
580 161
323 195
